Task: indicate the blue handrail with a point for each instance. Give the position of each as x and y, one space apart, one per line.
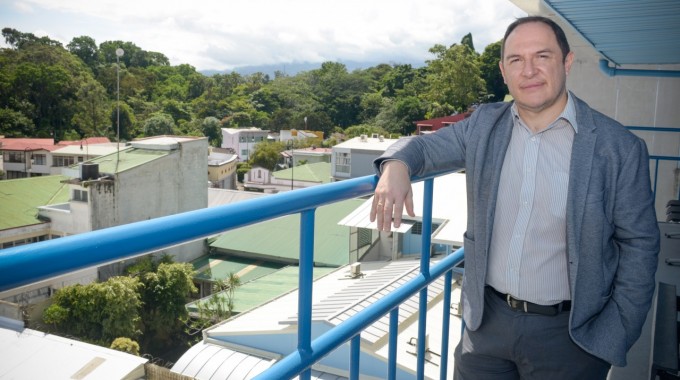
39 261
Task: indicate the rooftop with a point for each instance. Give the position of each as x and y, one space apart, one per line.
20 199
369 143
278 239
319 172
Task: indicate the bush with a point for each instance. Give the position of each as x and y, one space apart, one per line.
126 345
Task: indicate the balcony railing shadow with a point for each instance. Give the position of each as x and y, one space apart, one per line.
43 260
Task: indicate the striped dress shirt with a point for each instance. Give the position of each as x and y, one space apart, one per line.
528 254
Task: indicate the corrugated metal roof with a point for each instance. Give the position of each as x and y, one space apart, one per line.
626 31
31 354
278 239
126 159
319 172
20 199
265 288
360 294
206 361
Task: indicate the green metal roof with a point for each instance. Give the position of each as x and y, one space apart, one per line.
20 198
317 172
264 289
279 239
218 267
127 159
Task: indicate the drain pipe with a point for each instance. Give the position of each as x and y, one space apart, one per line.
613 71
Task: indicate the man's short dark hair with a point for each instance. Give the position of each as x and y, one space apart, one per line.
559 33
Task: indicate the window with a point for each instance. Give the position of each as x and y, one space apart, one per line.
342 162
364 237
80 195
15 157
39 159
60 161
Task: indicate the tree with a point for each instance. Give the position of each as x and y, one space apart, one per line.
165 293
127 121
159 124
491 72
15 124
266 154
212 129
85 48
21 40
91 109
218 306
454 77
98 312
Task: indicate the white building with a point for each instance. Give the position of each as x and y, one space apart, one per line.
149 178
354 158
242 141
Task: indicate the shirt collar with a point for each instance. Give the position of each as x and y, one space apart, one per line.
568 114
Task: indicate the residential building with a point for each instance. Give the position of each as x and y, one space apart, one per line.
242 141
262 179
149 178
32 157
432 125
354 158
222 169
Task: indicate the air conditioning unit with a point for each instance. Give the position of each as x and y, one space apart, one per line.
364 138
355 270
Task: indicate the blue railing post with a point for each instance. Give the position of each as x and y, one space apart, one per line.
392 349
446 318
428 191
305 293
355 353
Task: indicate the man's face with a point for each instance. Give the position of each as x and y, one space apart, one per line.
533 68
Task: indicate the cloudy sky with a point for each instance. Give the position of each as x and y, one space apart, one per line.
223 35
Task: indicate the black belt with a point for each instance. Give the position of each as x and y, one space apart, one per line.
529 307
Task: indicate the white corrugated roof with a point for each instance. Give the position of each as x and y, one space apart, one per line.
207 361
450 209
31 354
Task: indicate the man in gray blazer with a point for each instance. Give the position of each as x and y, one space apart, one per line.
562 238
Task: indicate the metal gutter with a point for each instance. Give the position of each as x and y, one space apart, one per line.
613 71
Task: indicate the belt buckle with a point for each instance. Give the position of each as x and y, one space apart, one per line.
509 300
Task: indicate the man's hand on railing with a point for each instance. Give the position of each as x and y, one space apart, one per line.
392 193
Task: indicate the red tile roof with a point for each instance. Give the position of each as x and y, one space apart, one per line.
44 144
439 122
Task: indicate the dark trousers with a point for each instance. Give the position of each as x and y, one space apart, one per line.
516 345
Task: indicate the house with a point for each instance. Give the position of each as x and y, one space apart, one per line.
431 125
261 179
242 141
32 157
354 158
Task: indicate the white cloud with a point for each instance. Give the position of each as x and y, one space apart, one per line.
222 35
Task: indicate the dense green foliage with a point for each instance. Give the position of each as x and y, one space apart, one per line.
47 89
147 305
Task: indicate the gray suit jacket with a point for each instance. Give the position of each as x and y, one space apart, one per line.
612 231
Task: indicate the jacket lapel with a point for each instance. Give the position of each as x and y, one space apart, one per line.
583 151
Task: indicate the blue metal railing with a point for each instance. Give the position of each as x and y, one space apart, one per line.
39 261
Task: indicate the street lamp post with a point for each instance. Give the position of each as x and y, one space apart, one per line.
119 53
292 162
